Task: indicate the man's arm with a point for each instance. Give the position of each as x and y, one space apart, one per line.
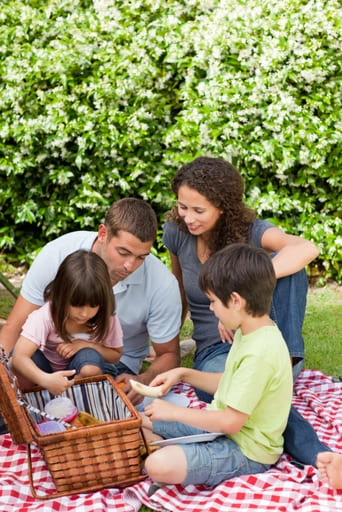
10 332
167 357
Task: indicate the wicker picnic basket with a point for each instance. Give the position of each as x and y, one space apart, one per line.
83 459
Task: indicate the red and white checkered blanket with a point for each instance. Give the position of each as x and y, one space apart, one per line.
285 488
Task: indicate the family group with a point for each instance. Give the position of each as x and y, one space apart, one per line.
96 302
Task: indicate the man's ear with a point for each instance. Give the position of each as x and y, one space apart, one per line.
102 233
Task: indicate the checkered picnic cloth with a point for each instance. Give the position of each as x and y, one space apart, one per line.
284 488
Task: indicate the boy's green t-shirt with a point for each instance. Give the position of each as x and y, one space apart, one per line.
258 381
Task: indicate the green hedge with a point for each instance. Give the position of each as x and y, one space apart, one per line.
104 99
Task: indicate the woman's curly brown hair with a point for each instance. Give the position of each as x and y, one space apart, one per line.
222 185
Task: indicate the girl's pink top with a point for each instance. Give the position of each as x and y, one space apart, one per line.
39 329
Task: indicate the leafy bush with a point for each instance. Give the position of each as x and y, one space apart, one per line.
103 99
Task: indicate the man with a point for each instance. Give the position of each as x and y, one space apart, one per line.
147 296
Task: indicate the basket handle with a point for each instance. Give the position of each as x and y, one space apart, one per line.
33 490
20 398
147 446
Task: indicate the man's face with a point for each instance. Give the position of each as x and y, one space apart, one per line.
123 254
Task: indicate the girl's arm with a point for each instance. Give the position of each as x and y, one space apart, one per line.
294 252
56 382
227 421
111 353
177 272
68 350
22 362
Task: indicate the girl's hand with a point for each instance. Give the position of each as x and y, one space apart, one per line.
68 350
162 410
225 335
58 382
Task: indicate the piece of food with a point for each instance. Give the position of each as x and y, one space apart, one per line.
152 391
86 419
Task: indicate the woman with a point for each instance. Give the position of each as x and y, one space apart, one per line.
210 215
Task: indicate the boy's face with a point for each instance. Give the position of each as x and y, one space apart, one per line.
228 314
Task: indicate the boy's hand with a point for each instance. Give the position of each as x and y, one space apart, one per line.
168 379
161 410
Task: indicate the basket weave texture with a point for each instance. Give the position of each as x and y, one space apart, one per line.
82 459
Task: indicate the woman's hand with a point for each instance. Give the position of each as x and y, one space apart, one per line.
225 335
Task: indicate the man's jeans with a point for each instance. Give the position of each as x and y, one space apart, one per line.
287 311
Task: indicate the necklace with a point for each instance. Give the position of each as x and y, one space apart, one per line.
203 252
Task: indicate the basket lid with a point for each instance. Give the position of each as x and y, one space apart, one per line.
13 414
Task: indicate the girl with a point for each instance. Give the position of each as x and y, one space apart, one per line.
210 215
76 331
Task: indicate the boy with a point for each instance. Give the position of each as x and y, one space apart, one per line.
252 397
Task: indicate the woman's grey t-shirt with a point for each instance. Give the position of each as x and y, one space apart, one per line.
183 245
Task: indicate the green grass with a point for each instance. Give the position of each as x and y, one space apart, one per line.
322 331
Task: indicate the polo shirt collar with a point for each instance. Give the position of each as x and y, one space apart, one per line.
135 278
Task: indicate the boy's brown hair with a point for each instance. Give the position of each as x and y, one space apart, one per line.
244 269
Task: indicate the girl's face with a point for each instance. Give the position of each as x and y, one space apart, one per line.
198 213
82 314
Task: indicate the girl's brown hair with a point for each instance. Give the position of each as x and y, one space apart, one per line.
222 185
81 280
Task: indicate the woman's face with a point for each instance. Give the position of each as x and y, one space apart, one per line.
198 213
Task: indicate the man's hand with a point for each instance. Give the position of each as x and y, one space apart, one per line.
123 380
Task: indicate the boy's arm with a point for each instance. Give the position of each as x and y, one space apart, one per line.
227 421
